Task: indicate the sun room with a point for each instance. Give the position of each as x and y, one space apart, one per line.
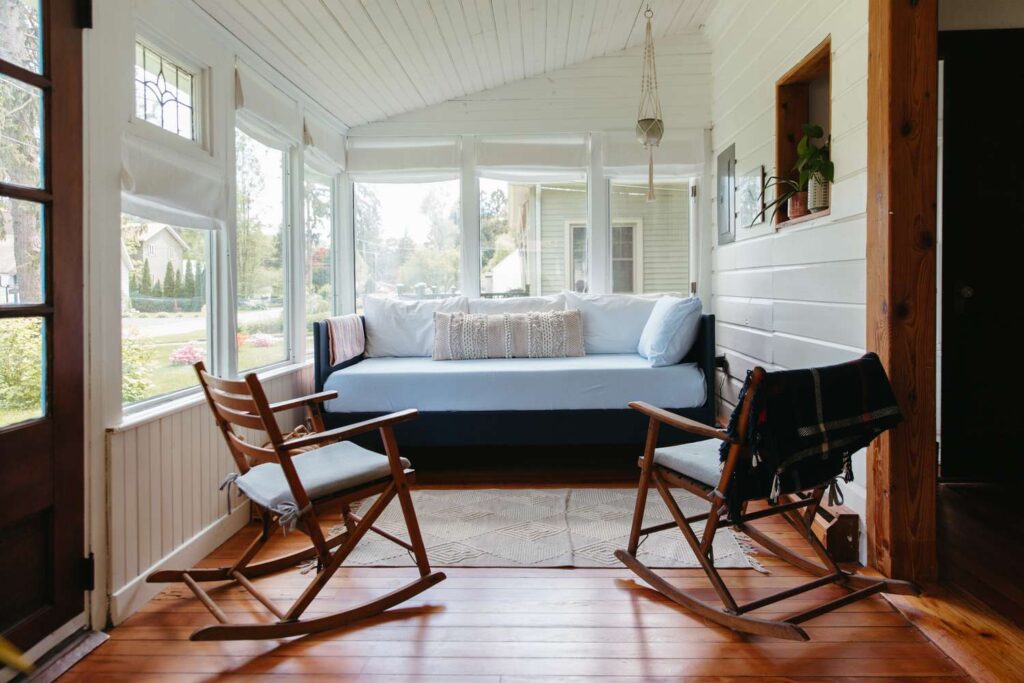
406 291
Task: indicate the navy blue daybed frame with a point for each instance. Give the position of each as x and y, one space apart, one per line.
528 427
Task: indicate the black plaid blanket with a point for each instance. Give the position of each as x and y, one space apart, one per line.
807 424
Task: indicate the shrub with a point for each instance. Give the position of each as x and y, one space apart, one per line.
21 366
260 340
135 369
273 324
189 354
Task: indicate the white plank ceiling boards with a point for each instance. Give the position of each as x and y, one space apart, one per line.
368 60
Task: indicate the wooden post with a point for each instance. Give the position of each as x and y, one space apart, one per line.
902 130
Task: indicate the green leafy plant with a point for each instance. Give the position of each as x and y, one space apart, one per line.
811 160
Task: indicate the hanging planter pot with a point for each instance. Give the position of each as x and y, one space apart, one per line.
649 127
818 191
797 205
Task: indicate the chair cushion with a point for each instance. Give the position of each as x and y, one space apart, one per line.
326 470
697 460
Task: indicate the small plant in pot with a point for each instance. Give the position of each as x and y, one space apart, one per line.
814 174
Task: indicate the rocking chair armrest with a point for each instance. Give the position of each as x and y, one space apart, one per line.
344 433
679 422
303 401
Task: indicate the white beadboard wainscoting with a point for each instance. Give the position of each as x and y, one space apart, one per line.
165 509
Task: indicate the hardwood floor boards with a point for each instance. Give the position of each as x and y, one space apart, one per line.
517 625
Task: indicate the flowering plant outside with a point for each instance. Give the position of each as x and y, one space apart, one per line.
189 354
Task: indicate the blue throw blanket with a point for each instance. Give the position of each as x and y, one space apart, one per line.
806 424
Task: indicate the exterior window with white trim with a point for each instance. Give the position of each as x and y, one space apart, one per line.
261 253
165 92
318 215
650 241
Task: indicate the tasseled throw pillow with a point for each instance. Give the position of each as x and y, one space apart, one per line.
549 334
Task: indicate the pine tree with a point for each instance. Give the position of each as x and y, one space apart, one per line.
169 280
178 286
188 286
201 281
146 281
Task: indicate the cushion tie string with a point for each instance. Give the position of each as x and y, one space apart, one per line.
227 483
289 514
835 494
773 497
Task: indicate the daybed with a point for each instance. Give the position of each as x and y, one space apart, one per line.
519 401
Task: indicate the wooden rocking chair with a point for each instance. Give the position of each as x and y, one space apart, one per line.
289 482
695 468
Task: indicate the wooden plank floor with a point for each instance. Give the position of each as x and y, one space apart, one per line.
492 625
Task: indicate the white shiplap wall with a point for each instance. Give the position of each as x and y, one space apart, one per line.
796 297
165 507
599 94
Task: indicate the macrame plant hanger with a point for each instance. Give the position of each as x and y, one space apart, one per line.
649 126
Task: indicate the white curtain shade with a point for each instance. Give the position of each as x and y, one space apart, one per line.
403 160
323 143
549 159
267 105
163 185
626 158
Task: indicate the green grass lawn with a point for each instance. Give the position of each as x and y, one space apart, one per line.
9 416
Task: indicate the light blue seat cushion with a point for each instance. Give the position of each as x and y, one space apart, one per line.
607 381
670 331
326 470
697 460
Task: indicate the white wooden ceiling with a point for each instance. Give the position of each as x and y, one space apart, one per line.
367 60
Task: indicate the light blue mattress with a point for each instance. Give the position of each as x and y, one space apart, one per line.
607 381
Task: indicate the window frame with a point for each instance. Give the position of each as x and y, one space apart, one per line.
571 226
310 163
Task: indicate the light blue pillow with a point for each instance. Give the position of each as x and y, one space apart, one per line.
670 331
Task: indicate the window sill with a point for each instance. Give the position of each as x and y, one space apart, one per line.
192 399
803 219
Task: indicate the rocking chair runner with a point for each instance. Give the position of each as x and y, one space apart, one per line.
695 468
291 480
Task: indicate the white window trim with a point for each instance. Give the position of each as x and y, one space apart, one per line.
638 252
332 182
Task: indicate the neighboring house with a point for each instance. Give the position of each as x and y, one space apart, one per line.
8 271
126 273
161 244
507 273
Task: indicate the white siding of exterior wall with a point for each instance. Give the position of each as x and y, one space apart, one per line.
165 506
560 206
665 233
599 94
796 297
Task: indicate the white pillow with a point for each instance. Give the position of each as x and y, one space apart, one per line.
612 323
518 304
670 331
403 328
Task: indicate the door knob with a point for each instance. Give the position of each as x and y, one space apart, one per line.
967 291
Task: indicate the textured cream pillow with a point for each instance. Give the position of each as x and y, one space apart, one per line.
550 334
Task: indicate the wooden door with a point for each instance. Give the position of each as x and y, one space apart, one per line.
982 240
41 353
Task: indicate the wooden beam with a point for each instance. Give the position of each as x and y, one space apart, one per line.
902 130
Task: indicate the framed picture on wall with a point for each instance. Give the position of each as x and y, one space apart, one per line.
727 195
749 199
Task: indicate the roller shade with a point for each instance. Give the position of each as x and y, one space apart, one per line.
163 185
403 160
549 158
324 144
267 106
625 158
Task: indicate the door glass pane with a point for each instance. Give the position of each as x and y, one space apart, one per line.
260 258
21 147
19 25
22 364
319 218
407 239
164 303
21 252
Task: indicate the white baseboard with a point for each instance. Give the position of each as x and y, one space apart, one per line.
127 600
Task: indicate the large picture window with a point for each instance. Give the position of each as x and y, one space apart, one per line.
650 241
261 253
319 219
407 239
522 255
164 307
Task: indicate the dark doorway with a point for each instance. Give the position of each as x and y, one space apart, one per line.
42 573
983 235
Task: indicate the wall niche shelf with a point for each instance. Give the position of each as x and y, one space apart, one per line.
803 219
802 95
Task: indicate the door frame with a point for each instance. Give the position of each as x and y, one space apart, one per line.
901 280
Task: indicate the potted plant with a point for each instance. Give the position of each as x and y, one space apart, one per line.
814 173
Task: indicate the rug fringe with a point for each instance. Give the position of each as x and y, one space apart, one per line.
749 549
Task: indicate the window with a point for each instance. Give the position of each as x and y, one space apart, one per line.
650 241
407 239
521 256
165 92
164 307
319 219
260 253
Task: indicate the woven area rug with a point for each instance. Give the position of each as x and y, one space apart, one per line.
539 528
